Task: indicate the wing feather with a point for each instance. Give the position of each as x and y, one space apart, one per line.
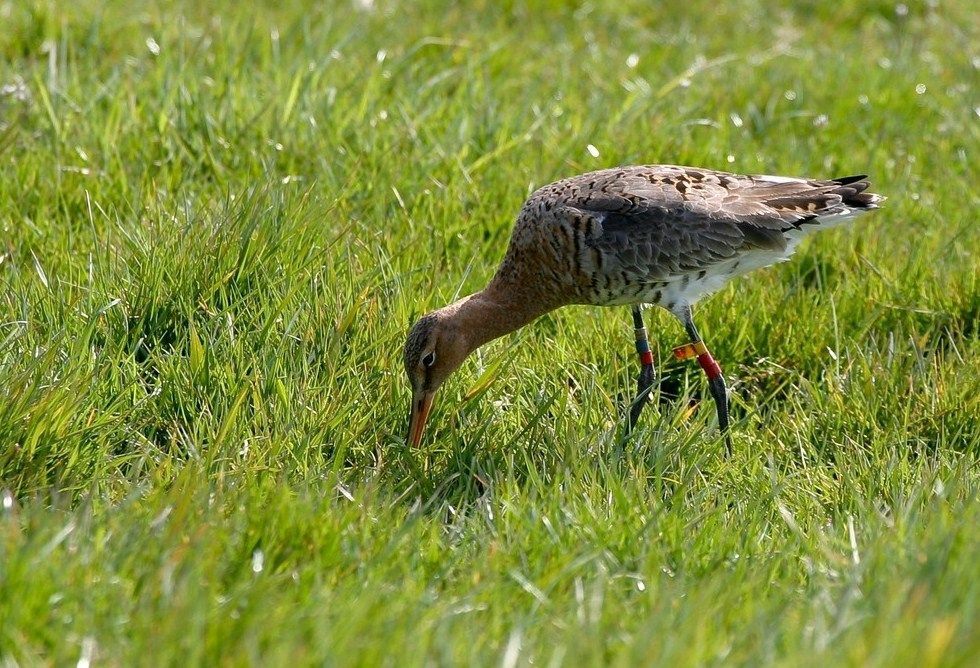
662 220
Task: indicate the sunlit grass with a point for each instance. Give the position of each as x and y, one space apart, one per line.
218 222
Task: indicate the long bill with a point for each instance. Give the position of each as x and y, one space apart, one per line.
421 405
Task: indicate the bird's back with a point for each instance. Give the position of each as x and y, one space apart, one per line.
665 234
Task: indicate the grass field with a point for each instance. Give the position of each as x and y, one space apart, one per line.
219 220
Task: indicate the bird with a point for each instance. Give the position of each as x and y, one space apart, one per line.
660 235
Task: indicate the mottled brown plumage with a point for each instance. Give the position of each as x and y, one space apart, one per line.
618 236
654 234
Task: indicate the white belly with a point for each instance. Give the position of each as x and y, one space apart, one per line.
675 293
685 290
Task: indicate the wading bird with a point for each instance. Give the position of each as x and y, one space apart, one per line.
655 234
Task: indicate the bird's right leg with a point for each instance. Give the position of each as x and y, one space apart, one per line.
647 372
716 381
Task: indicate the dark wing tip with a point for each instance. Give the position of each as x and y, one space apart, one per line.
848 180
852 191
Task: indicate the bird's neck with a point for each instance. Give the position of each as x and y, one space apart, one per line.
494 312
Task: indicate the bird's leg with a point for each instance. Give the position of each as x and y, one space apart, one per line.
647 373
716 381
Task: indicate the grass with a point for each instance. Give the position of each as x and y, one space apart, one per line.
218 222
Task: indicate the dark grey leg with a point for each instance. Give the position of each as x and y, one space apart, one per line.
716 381
645 380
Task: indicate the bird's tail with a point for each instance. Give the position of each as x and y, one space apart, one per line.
853 192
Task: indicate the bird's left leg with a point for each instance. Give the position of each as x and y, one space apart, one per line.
716 381
647 372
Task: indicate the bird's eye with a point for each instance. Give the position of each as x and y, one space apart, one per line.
429 359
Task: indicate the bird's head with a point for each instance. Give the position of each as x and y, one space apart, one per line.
436 346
